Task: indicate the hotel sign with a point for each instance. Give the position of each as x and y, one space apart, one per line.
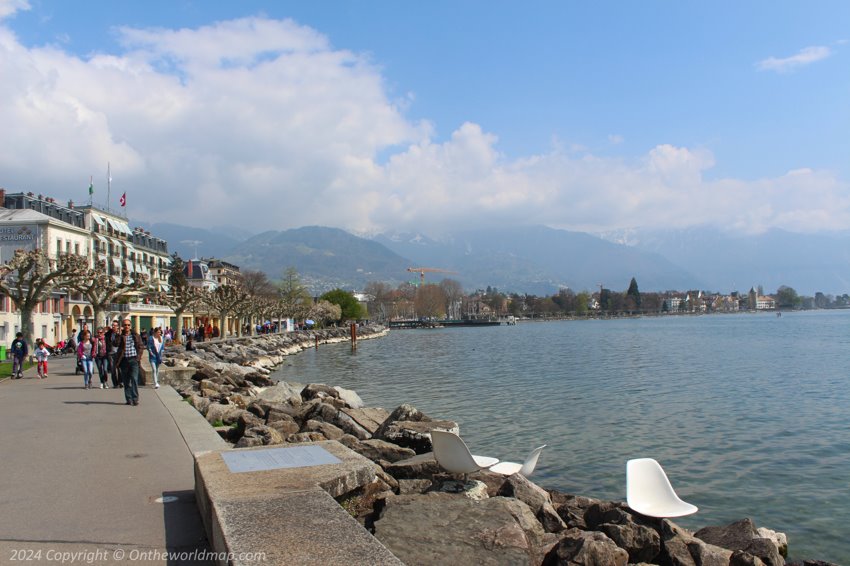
17 233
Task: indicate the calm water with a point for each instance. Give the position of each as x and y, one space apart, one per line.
747 413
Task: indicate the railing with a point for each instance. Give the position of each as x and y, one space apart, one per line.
139 307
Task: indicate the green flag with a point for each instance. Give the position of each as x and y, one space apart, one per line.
91 188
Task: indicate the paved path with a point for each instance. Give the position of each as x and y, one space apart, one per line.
81 472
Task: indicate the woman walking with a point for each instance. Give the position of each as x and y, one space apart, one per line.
85 355
155 346
101 360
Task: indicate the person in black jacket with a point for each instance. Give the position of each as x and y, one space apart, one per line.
113 338
130 350
19 351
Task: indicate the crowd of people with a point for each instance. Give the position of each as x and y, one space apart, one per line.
115 351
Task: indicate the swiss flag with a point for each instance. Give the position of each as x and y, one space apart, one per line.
123 200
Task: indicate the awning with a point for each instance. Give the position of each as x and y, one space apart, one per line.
129 246
130 267
97 219
116 263
104 259
123 227
165 286
103 239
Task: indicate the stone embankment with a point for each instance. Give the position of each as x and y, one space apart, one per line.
414 508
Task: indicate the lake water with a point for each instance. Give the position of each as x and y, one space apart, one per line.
747 413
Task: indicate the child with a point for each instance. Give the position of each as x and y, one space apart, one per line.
41 354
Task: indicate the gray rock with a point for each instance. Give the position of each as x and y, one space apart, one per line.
375 450
351 398
285 428
306 437
642 543
247 420
742 535
267 435
422 466
472 489
227 414
329 431
350 426
586 548
410 487
427 529
370 418
536 498
680 548
318 391
414 434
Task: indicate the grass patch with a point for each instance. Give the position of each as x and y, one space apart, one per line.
6 368
219 422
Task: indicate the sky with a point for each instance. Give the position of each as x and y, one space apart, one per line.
382 115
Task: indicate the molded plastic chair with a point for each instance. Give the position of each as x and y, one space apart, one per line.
648 491
526 468
453 455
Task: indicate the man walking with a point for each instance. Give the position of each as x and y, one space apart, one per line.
19 354
113 339
130 350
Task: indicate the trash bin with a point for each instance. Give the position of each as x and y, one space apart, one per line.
2 352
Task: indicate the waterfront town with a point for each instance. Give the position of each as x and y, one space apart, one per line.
130 275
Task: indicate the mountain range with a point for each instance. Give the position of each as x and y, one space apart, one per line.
533 259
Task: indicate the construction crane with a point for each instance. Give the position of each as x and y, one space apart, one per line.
423 270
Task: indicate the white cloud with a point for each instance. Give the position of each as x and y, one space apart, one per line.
9 7
261 123
805 57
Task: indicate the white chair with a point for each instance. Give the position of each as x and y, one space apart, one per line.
648 491
526 468
452 454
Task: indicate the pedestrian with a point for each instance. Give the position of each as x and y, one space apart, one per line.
156 345
85 356
130 350
190 345
101 357
41 354
19 354
113 338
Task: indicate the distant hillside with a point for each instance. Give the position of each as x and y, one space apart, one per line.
186 240
540 260
325 257
727 262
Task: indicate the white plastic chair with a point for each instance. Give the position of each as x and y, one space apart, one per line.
526 468
454 456
648 491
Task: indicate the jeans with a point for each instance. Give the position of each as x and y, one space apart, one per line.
113 370
88 368
17 365
130 376
154 370
101 364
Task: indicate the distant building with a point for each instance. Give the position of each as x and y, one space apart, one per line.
198 275
222 272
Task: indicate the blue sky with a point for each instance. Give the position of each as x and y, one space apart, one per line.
400 115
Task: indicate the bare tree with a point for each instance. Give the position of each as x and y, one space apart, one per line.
430 301
30 277
453 292
101 289
257 284
226 299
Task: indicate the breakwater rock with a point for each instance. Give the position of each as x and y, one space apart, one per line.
420 513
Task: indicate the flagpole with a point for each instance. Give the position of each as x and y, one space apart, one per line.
108 187
91 188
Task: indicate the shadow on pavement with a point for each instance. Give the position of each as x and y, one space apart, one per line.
185 538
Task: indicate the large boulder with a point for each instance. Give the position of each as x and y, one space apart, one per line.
375 450
742 535
414 434
586 548
368 418
536 498
428 529
421 466
329 431
680 548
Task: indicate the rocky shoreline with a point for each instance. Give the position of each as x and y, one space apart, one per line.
414 508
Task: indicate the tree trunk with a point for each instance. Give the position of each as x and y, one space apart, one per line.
178 333
27 324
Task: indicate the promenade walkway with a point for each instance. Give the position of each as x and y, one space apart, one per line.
83 476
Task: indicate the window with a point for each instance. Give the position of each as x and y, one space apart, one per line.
58 247
76 248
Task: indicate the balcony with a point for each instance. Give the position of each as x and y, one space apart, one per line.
141 307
